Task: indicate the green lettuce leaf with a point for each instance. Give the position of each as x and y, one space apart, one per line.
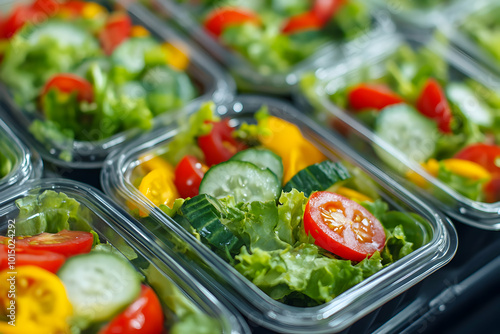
468 187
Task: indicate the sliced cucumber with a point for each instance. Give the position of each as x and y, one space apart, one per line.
203 213
413 134
317 177
99 285
130 54
262 158
66 33
243 180
471 107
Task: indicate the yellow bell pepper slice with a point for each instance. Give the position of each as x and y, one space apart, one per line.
353 194
139 31
92 10
176 56
40 301
158 186
287 141
467 169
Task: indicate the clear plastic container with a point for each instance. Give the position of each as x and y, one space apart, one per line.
24 163
342 311
246 75
135 243
212 82
479 214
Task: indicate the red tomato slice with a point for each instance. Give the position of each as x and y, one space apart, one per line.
370 96
67 243
485 155
302 22
342 226
492 190
116 31
324 10
39 11
219 145
221 18
25 257
45 9
67 83
432 103
188 175
143 316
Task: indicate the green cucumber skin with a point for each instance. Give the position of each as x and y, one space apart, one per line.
317 177
262 158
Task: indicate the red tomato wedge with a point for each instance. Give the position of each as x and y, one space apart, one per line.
68 83
370 96
219 145
302 22
25 257
116 31
432 103
485 155
221 18
324 10
492 190
66 243
45 9
342 226
188 175
38 12
143 316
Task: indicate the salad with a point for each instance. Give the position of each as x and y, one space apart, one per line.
302 228
275 35
445 122
84 73
7 159
68 280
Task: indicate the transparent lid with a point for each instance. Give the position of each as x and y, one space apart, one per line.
212 83
342 311
476 213
246 75
156 263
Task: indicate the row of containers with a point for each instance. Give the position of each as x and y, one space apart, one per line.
82 104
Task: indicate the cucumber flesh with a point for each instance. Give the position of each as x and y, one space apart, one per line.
130 54
317 177
243 180
99 285
470 106
262 158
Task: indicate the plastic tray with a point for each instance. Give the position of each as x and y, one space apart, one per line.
475 213
245 74
334 316
214 84
117 228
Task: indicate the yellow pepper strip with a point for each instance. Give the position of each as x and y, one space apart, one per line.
92 10
152 162
467 169
176 56
139 31
41 304
158 186
353 194
287 141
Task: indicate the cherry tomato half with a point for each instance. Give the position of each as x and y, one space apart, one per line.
66 243
143 316
370 96
302 22
219 145
47 260
68 83
221 18
116 31
432 103
485 155
188 175
342 226
324 10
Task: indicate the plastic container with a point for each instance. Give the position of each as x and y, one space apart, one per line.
333 316
212 82
134 242
475 213
245 74
25 164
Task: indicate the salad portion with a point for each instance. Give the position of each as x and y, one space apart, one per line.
85 73
302 228
68 279
434 116
273 36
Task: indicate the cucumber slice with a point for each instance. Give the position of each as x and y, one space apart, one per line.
203 212
66 33
262 158
130 54
317 177
470 106
407 130
99 285
243 180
